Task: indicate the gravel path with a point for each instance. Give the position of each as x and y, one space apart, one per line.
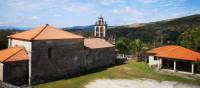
139 83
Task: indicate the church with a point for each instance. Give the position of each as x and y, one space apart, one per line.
47 53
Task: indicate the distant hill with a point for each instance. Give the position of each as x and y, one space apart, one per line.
166 30
13 27
78 28
160 31
83 30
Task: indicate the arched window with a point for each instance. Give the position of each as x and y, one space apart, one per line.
101 30
97 29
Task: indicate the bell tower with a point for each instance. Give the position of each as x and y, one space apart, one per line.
100 28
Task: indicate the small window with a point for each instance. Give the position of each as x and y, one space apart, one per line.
155 58
50 52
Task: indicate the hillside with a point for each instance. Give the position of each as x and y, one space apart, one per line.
166 31
3 36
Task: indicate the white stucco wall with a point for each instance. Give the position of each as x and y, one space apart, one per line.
26 44
152 61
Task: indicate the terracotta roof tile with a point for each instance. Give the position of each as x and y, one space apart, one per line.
161 49
94 43
176 52
45 32
13 54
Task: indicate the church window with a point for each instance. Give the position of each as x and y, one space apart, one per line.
97 30
101 29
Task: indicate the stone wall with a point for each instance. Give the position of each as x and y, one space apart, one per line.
56 59
7 85
16 72
96 58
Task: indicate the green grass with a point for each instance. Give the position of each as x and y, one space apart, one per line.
131 70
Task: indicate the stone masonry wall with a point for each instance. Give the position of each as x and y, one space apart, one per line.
56 59
96 58
16 72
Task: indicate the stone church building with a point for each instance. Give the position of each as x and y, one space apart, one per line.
46 53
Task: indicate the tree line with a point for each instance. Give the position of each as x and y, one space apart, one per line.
189 39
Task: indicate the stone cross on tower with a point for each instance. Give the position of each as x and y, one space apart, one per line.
100 28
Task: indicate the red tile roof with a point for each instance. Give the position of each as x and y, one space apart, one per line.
94 43
175 52
45 32
13 54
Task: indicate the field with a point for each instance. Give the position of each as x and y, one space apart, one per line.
128 70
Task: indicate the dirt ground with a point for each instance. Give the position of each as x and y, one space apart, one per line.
138 83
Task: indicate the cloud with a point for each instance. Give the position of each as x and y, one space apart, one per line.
126 10
35 17
57 15
79 7
109 2
149 1
162 2
172 2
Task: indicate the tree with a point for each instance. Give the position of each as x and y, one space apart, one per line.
122 44
135 47
138 47
191 39
3 37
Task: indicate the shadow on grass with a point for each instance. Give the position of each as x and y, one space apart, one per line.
82 72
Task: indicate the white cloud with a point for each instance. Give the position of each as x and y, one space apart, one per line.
172 2
109 2
79 7
126 10
57 15
35 17
149 1
162 2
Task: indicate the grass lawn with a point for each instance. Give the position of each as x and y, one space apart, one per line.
130 70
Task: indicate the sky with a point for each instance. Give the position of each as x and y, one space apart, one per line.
66 13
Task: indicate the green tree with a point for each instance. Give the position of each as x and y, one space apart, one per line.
138 48
191 39
123 45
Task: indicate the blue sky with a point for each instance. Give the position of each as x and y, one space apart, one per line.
62 13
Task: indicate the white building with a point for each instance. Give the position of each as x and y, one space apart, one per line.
174 58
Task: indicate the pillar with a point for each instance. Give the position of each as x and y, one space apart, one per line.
104 31
174 65
160 63
192 70
9 43
29 68
95 31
